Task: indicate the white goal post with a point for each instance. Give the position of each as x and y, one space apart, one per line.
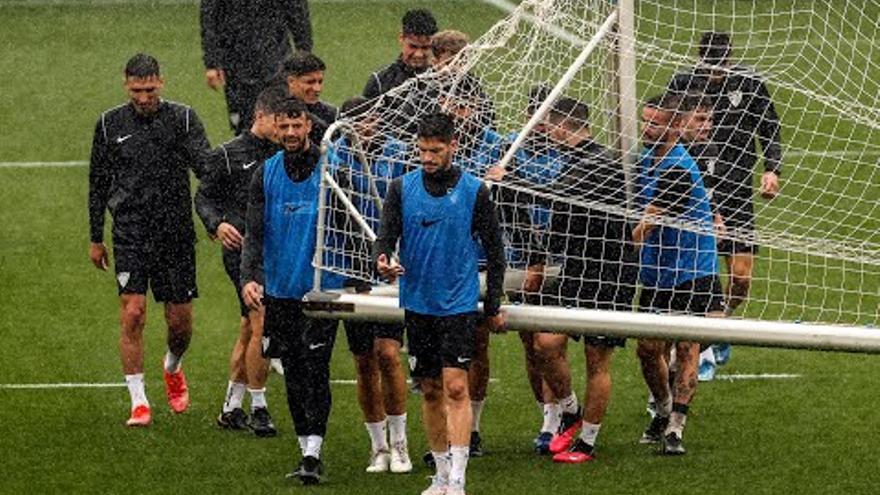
816 276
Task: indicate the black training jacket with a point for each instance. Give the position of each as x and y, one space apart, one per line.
139 171
743 111
249 39
222 195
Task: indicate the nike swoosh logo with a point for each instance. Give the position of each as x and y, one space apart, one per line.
427 223
312 347
291 209
249 165
122 139
463 360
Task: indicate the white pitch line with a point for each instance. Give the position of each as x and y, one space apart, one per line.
758 376
55 386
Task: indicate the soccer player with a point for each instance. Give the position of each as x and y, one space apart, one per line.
695 127
538 162
445 45
303 73
141 154
679 267
437 212
376 347
221 202
276 272
599 271
478 146
244 44
744 113
415 53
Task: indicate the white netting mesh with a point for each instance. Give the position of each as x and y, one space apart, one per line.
819 257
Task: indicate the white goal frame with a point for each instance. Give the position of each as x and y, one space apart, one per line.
382 305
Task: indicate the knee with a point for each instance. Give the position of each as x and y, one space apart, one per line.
742 280
133 316
432 389
548 349
388 357
364 364
647 351
457 390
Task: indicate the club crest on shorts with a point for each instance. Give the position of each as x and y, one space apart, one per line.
122 278
736 97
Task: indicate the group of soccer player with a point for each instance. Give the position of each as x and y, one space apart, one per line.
438 226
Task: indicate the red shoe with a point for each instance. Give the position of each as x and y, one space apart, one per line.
140 416
571 425
177 391
579 453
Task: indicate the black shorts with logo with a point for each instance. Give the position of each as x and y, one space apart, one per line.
697 297
232 265
287 331
362 334
169 271
437 342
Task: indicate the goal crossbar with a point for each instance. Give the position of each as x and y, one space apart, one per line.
529 318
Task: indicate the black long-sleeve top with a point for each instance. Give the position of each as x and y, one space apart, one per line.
222 195
139 170
743 111
485 225
596 244
249 39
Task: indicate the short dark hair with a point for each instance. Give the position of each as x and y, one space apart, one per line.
355 107
654 101
715 47
270 98
419 22
573 109
288 106
437 126
301 63
142 66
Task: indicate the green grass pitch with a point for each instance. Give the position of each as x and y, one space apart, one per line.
61 66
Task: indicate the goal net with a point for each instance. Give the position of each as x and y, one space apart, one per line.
799 93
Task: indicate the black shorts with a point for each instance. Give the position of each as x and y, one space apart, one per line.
739 219
437 342
362 334
696 297
590 294
288 331
232 264
169 271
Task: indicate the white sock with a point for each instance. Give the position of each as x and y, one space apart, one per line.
303 443
258 398
397 428
589 432
707 355
377 433
459 456
136 390
552 417
172 362
443 463
313 446
234 396
477 410
569 404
